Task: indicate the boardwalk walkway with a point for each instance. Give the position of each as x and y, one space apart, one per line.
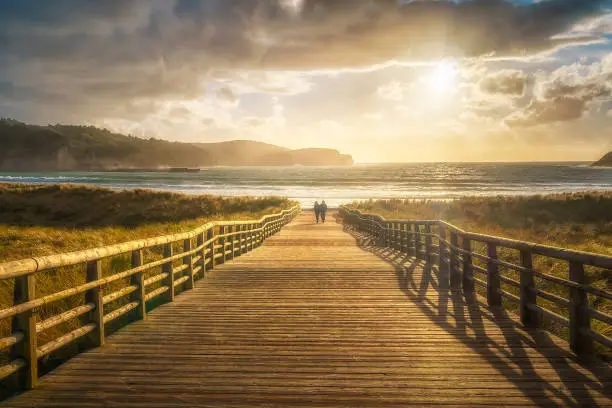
317 318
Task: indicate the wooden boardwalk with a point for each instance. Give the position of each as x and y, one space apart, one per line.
317 318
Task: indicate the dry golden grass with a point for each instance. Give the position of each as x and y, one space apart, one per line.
578 221
39 220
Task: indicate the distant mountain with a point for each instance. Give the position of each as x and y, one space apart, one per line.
26 147
605 161
240 152
306 157
251 153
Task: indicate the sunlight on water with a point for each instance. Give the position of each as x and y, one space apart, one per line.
339 185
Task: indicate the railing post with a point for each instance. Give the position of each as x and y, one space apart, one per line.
468 270
403 240
410 240
232 243
428 244
238 229
418 244
210 234
396 239
138 279
443 267
455 276
188 260
493 282
244 236
529 317
579 317
222 231
200 242
95 296
26 349
167 268
250 238
256 234
259 234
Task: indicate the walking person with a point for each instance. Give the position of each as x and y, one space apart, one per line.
317 210
323 209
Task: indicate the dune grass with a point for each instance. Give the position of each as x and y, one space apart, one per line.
46 219
581 221
38 220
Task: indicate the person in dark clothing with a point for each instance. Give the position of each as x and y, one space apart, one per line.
317 210
323 209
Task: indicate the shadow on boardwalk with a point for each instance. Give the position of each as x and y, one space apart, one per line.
467 317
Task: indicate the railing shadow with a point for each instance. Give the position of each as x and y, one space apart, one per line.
466 318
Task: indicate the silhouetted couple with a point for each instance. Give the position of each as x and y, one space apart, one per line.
320 210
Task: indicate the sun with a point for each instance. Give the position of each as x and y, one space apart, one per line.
444 76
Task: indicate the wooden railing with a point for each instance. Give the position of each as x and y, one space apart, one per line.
199 251
460 267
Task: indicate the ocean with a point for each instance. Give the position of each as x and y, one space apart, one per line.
339 185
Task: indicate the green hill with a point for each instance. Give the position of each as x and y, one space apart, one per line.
58 147
64 148
605 161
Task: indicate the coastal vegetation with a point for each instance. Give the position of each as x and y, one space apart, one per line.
581 221
88 148
46 219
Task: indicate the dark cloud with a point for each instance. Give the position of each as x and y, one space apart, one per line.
98 54
506 82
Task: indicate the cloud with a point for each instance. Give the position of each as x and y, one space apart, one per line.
566 94
226 95
506 82
92 52
270 82
559 109
393 91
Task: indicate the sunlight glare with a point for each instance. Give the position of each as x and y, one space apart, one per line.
444 77
293 7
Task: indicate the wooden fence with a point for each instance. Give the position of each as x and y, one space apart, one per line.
200 250
460 267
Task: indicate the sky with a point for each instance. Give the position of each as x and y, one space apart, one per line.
383 80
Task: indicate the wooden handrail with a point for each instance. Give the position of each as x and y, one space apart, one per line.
455 264
200 253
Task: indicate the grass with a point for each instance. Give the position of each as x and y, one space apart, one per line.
38 220
581 221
